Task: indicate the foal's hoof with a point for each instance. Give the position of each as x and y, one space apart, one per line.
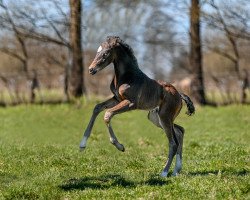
164 174
81 149
120 147
175 174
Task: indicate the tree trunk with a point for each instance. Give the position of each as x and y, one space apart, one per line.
76 84
33 87
244 86
66 83
197 89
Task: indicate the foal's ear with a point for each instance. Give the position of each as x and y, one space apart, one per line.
113 41
113 37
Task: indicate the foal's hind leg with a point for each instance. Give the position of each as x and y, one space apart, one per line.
98 108
178 137
179 134
154 117
167 125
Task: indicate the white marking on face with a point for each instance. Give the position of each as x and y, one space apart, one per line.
99 49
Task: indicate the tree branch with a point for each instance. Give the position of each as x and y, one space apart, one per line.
12 53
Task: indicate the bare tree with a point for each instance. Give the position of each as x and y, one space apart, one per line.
57 33
45 29
159 42
235 29
196 53
8 23
77 88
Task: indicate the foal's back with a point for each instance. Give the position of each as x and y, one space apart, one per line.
150 94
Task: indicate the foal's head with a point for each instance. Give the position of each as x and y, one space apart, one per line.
105 54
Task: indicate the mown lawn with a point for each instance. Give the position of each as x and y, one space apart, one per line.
40 159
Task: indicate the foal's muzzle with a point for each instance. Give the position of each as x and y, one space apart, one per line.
92 71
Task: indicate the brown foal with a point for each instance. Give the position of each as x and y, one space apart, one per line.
132 90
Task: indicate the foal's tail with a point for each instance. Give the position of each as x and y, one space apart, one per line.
190 105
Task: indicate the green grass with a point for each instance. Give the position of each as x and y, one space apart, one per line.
39 157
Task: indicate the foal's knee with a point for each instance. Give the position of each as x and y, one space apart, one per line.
107 116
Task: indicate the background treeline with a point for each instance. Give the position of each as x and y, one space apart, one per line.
41 43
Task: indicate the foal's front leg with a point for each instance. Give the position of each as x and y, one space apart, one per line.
98 108
123 106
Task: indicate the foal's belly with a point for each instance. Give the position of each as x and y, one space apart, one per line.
148 99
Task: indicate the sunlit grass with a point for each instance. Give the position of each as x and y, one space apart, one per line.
54 95
222 98
39 156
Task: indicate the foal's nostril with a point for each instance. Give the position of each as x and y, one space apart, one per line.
92 71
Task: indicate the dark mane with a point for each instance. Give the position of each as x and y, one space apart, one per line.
116 40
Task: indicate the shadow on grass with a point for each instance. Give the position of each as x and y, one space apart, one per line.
6 178
108 181
242 172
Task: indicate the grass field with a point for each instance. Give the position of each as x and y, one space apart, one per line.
39 156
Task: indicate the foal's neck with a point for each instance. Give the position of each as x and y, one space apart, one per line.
124 64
